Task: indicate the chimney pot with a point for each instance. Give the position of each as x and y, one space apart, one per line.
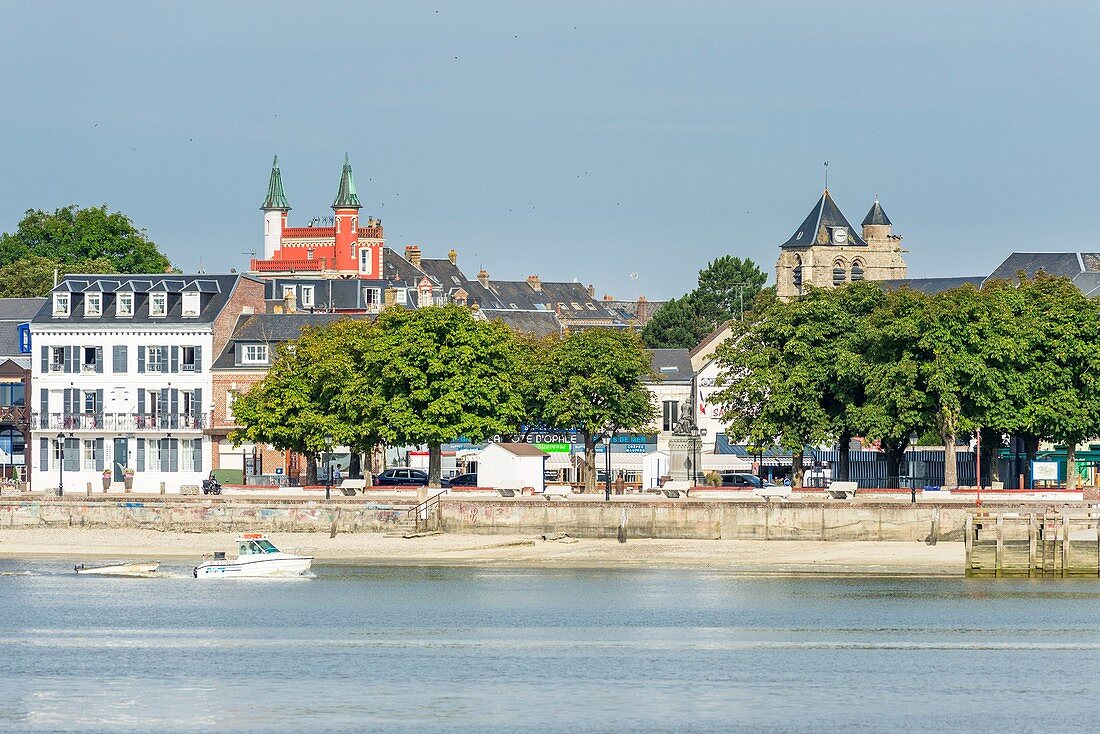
534 282
452 256
412 254
608 298
591 291
483 277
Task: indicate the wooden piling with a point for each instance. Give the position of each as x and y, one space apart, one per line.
999 556
1032 541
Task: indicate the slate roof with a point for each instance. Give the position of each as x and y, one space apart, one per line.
444 273
215 289
825 213
573 299
1068 264
339 294
876 215
271 328
395 267
538 323
672 365
13 312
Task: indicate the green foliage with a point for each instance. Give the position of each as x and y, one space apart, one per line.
593 382
74 240
727 288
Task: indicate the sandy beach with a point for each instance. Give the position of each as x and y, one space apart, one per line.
734 556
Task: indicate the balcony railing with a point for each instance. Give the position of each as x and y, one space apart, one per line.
119 422
18 414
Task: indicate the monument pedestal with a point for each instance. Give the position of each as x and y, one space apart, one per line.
683 452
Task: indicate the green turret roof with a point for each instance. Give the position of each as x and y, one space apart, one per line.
276 199
346 197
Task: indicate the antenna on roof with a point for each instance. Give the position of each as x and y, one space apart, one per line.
826 175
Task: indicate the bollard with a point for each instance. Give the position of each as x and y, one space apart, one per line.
162 487
913 493
89 486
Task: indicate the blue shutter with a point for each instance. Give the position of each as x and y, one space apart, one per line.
141 402
173 454
162 444
99 359
75 355
174 409
43 454
44 403
198 454
196 408
175 358
72 454
99 406
162 408
198 359
45 360
141 454
99 453
141 359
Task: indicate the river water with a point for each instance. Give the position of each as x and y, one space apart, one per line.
506 650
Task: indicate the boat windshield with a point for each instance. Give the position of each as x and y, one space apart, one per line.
256 547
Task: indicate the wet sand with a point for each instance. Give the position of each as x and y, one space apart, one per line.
734 556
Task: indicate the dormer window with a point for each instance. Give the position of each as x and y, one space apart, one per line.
307 296
254 354
60 304
158 304
124 304
190 304
93 304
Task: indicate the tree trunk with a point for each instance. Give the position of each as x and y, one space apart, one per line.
311 469
992 440
355 465
950 459
845 467
589 461
895 451
797 470
1071 465
370 465
435 465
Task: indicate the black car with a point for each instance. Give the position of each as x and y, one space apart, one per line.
463 480
402 478
736 479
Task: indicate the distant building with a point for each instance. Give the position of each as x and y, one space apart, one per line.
826 250
15 384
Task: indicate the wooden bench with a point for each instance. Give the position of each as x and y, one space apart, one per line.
842 490
348 487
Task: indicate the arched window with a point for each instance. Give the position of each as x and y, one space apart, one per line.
796 273
840 273
857 271
354 225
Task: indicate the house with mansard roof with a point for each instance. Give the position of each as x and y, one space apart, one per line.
121 376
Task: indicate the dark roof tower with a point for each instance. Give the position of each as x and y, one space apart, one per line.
346 196
824 214
276 199
876 215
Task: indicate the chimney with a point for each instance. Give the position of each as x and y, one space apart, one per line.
290 301
390 297
453 256
608 298
641 310
412 254
483 278
535 283
591 291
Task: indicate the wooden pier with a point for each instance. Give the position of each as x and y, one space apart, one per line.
1035 544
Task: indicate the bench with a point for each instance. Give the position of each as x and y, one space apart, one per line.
348 487
841 490
775 490
675 488
561 491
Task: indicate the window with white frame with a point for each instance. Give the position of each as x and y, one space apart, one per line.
254 354
187 359
158 304
288 293
188 450
89 401
152 455
402 296
190 304
307 296
57 359
89 455
372 298
366 261
93 304
88 362
670 415
230 398
60 304
154 359
124 304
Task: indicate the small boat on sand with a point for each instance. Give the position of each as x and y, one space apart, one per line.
256 556
119 569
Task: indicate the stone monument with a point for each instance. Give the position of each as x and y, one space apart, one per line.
684 446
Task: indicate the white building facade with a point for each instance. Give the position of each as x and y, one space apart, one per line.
121 381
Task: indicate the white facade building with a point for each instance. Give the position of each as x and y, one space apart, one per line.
121 378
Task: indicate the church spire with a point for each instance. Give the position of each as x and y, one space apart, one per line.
346 197
276 199
876 215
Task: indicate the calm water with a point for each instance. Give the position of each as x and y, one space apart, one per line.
467 650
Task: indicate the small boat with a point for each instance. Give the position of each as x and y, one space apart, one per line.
120 569
256 556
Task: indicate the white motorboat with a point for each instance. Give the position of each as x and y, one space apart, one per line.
256 556
120 569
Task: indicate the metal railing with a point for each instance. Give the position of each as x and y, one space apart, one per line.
118 422
420 513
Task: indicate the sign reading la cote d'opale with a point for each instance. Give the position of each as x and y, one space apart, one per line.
571 441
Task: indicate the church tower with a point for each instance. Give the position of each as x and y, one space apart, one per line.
275 208
826 251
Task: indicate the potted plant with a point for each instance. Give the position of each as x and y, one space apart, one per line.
128 478
106 479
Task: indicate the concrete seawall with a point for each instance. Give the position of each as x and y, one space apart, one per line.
641 519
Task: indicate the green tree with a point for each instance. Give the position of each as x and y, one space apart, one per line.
290 408
726 290
594 380
33 276
431 375
73 234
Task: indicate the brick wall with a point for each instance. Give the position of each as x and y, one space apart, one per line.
248 294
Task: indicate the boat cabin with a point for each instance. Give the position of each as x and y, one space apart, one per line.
254 544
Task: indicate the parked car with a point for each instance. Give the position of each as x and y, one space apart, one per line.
463 480
402 478
736 479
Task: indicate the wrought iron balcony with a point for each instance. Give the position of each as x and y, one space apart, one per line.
119 422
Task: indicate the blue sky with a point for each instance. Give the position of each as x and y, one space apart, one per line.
582 140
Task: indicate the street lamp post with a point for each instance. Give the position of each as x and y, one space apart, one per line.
606 441
61 465
328 478
913 438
